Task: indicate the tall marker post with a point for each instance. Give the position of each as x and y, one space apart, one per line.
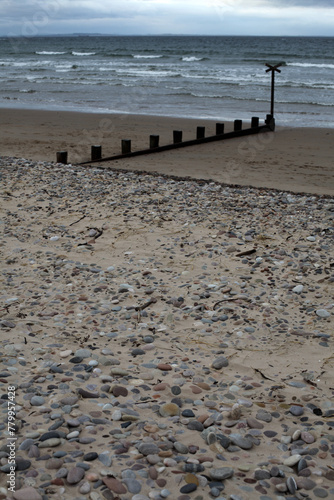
273 69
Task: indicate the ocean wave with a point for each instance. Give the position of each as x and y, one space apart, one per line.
83 53
49 53
192 59
139 56
311 65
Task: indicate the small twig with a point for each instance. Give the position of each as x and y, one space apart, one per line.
230 299
143 306
263 375
246 252
77 221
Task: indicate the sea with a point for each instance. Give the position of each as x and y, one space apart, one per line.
208 77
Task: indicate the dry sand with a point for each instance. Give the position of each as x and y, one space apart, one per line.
294 159
165 339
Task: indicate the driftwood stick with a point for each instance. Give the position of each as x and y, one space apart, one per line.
72 224
143 306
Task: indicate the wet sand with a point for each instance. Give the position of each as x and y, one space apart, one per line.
292 159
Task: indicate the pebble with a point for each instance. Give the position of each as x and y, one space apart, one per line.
293 460
109 392
219 363
169 410
27 493
241 441
323 313
221 473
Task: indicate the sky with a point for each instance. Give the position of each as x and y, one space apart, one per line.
155 17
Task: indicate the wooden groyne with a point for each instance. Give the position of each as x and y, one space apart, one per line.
221 135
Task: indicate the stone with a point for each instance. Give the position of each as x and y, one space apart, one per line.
22 464
27 493
219 363
75 474
181 448
307 437
221 473
89 457
88 394
320 493
118 390
323 313
169 410
264 416
49 443
188 488
292 460
253 423
242 442
305 483
297 411
291 485
133 485
148 449
85 488
114 485
260 474
37 401
54 463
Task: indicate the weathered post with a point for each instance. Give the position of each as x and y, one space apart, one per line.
237 125
270 121
126 146
62 157
200 132
255 122
96 152
273 69
154 141
177 136
220 128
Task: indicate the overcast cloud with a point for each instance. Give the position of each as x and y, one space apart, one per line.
212 17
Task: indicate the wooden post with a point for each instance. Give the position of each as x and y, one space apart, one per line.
62 157
219 128
237 125
177 136
273 69
255 122
126 146
200 132
96 152
154 141
270 121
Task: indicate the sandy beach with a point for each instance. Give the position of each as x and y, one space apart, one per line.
165 338
292 159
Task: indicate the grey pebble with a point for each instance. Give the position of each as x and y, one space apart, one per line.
37 401
221 473
148 449
297 411
75 475
242 442
219 363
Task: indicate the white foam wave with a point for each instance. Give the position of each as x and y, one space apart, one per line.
192 59
139 56
83 53
312 65
49 53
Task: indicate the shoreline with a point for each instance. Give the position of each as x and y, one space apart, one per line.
291 159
